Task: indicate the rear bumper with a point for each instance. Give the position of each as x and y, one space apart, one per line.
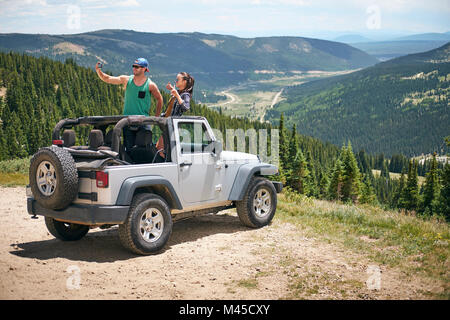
81 213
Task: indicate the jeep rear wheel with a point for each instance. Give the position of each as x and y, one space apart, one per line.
148 226
259 204
53 177
66 231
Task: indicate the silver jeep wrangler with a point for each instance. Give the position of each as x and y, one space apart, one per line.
143 190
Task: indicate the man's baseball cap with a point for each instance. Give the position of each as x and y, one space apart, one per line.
142 62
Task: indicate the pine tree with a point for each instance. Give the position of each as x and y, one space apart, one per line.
443 203
16 138
385 171
284 144
397 200
368 193
335 186
298 174
293 147
295 168
4 155
323 184
311 181
398 163
3 146
431 188
363 162
444 197
410 194
351 183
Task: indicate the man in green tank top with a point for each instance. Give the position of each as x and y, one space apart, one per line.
138 91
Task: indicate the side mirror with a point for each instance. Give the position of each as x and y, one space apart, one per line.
217 148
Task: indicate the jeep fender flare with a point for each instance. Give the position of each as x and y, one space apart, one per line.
245 174
130 185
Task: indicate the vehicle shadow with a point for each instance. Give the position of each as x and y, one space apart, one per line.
104 245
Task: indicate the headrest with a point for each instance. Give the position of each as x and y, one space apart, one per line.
69 138
143 138
95 139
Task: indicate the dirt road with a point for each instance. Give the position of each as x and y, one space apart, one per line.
209 257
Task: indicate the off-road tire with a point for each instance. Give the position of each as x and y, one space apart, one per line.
132 233
248 211
66 231
65 177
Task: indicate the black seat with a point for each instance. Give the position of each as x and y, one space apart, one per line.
143 138
96 141
68 138
144 150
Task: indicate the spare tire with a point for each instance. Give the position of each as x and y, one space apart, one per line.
53 177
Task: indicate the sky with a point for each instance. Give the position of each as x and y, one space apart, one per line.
326 19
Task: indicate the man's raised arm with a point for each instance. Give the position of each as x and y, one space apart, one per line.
110 79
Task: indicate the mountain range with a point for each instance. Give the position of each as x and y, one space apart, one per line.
214 60
398 106
390 48
430 36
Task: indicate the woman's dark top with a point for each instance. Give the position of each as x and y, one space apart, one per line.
178 108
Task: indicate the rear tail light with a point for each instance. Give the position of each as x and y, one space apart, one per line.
102 179
58 142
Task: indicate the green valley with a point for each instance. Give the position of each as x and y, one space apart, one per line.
398 106
253 99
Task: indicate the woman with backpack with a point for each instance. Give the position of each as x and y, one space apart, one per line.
178 103
181 94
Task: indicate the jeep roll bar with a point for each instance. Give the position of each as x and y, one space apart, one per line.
92 120
120 122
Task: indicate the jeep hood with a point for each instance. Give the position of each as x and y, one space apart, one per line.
232 156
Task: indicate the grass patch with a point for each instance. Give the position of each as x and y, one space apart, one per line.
14 172
318 283
389 238
13 179
248 283
15 166
251 283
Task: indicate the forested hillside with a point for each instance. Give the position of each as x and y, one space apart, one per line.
216 60
399 106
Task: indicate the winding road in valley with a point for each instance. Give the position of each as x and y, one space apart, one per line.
274 102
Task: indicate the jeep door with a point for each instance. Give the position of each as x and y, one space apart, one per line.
200 173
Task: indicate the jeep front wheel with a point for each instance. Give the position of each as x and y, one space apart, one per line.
148 226
259 204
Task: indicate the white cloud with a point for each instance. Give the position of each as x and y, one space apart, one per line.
127 3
